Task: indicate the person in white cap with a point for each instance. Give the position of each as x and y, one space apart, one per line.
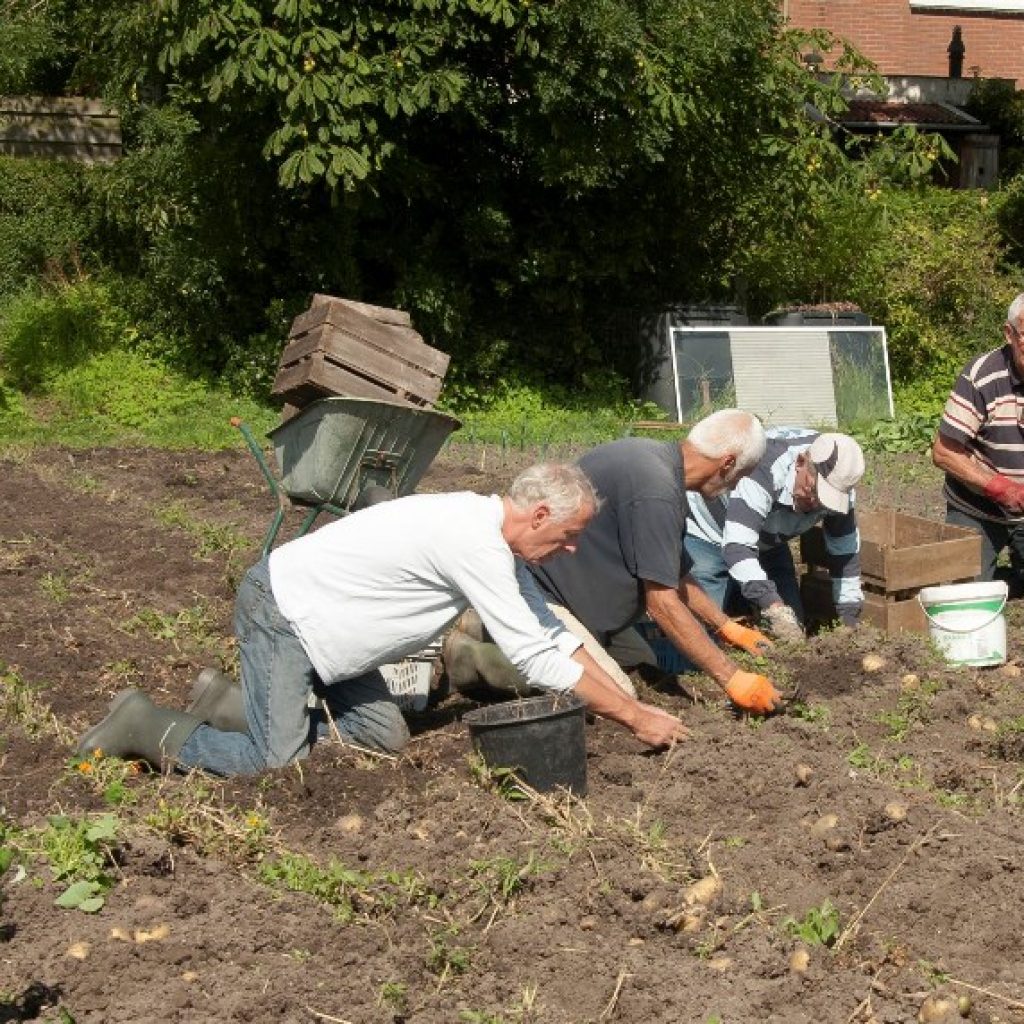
739 544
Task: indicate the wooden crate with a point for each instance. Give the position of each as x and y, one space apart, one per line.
899 555
887 612
901 552
355 350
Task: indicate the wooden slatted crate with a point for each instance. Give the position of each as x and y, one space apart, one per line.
355 350
900 554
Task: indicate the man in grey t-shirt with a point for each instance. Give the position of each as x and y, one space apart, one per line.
630 560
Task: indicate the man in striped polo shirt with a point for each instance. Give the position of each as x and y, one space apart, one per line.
739 544
980 446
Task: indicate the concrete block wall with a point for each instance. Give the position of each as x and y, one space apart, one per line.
903 40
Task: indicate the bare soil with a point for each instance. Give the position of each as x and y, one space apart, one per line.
894 796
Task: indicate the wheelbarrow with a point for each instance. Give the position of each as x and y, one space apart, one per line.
339 454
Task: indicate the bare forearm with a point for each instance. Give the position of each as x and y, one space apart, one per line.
700 604
956 460
679 625
607 700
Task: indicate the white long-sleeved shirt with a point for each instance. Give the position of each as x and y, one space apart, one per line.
382 583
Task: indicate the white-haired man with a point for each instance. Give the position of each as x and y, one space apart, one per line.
631 560
739 543
980 446
369 589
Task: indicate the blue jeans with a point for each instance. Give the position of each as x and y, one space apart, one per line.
277 682
995 537
709 570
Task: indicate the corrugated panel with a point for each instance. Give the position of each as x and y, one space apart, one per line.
784 378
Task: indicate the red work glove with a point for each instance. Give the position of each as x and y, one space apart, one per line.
752 692
750 640
1006 492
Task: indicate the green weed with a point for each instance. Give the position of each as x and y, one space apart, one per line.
818 927
56 587
194 624
353 895
80 855
191 815
502 781
816 714
20 704
211 538
503 878
394 995
445 957
107 776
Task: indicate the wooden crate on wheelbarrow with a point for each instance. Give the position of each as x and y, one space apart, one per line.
343 348
899 555
338 454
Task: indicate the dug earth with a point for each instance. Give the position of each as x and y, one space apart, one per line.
855 859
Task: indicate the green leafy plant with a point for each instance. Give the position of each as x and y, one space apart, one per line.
445 957
818 927
394 995
80 853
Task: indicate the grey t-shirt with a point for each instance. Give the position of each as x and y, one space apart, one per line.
636 536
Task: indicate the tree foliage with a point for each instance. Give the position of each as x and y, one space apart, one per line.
524 176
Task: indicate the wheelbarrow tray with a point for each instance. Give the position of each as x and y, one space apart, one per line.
335 447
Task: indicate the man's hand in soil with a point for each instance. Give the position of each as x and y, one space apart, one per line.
750 640
752 692
782 621
1006 492
658 728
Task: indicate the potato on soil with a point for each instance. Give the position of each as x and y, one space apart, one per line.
872 663
895 811
704 890
799 961
804 773
938 1009
821 828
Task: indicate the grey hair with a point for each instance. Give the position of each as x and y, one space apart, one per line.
730 432
1016 311
564 488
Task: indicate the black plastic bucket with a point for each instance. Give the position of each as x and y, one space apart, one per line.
542 739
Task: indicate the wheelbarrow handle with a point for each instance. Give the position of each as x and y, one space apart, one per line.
257 451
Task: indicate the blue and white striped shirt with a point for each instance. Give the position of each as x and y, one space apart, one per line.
759 514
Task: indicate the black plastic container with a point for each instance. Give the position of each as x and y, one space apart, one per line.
818 318
542 739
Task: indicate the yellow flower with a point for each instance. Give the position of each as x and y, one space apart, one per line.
308 64
85 767
97 754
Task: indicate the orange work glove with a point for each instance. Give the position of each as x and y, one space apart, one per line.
750 640
752 692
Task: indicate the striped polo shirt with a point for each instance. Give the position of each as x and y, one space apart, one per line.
985 413
759 514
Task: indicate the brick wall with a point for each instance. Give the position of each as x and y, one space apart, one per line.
902 41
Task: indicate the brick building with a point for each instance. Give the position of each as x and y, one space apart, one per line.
913 37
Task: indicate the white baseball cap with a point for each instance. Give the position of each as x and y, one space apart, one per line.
840 465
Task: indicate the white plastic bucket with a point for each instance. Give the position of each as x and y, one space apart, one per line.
966 621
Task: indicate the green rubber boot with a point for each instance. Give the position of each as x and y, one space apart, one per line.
138 728
471 663
217 700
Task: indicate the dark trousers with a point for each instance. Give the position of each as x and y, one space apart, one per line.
995 537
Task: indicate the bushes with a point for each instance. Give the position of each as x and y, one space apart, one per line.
46 331
934 278
45 220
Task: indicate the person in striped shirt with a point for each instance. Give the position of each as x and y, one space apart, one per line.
739 543
980 447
